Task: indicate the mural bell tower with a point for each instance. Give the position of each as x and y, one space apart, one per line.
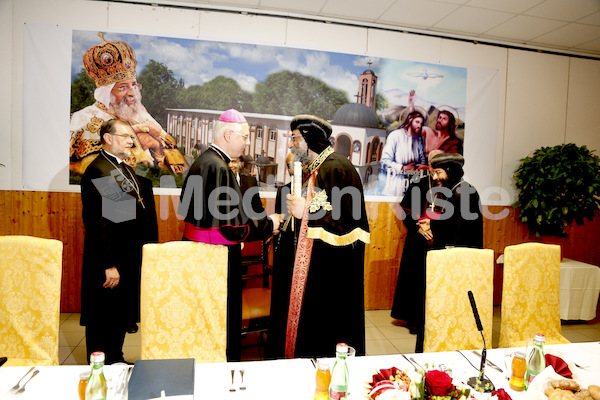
367 88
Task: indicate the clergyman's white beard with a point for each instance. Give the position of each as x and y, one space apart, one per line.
134 113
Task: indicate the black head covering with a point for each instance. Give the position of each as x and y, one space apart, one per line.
452 163
315 131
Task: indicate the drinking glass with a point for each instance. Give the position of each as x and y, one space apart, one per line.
83 378
508 357
351 352
116 380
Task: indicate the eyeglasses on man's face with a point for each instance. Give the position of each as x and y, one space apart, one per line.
246 137
438 172
125 88
123 135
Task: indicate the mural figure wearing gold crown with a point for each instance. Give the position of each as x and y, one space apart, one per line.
118 95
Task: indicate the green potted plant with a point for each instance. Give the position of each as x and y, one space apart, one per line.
556 186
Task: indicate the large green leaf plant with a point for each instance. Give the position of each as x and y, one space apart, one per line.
557 185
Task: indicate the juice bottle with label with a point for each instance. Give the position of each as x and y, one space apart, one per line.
322 381
338 388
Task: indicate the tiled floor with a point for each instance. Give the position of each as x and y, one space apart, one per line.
71 342
72 351
382 337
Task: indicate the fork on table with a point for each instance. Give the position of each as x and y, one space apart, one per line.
18 385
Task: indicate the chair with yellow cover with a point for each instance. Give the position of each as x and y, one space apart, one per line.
449 321
184 301
530 294
30 278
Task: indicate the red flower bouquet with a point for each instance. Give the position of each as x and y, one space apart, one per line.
438 383
393 383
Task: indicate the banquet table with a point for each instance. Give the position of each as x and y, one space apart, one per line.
579 290
295 379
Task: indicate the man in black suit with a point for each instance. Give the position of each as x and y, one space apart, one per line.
119 216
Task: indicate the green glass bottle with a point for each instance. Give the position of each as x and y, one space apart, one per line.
536 361
338 388
96 385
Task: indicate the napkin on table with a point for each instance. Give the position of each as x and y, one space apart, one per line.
559 365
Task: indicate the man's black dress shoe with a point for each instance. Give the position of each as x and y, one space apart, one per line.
133 328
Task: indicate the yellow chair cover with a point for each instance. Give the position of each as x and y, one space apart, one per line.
184 301
449 321
530 294
30 275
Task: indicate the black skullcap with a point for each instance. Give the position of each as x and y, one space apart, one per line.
315 131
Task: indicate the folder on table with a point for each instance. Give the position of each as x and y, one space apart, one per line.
150 377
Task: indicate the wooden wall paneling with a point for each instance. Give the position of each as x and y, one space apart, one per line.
58 216
74 237
580 244
20 209
5 212
382 255
171 228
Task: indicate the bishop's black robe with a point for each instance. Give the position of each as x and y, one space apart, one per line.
116 227
410 287
222 222
450 227
464 227
333 304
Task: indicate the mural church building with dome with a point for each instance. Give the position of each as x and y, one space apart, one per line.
356 135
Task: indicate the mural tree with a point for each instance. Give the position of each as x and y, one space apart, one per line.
221 93
160 88
291 93
82 91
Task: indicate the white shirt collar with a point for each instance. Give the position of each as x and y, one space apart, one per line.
118 159
223 151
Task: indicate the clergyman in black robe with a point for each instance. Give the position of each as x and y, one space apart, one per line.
445 213
410 286
326 297
211 200
119 216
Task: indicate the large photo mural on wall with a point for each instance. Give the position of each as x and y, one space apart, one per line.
387 114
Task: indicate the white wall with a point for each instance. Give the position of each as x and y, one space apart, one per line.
543 99
6 68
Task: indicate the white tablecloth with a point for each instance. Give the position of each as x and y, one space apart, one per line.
291 379
579 290
295 379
